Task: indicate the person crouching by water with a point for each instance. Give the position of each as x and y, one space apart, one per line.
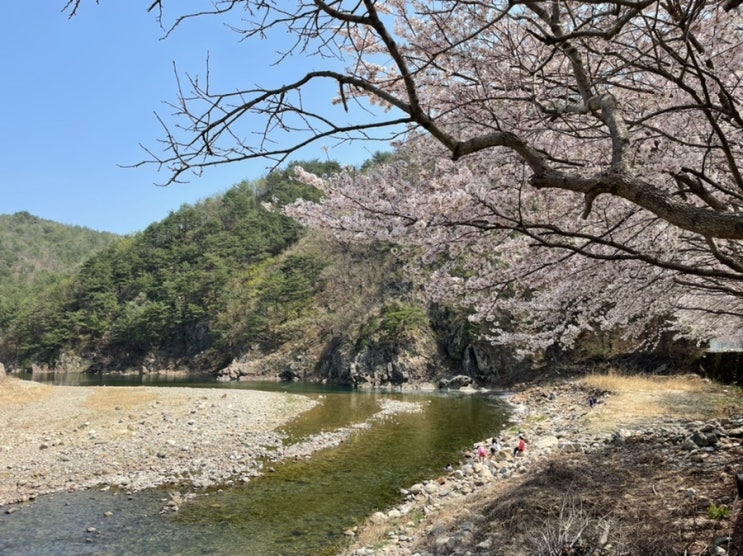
521 447
494 446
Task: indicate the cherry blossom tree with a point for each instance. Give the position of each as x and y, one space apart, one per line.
517 252
572 164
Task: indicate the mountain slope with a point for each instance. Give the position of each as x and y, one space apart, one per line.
29 245
231 288
35 253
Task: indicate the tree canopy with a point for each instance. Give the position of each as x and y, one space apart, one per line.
541 141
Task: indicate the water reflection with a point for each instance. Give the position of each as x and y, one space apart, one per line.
177 379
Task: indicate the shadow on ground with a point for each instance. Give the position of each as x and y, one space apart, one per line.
639 498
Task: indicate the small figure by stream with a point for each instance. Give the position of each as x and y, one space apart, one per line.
521 447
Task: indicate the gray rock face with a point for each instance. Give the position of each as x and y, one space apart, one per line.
381 359
381 362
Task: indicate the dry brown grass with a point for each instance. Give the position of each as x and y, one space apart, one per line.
638 399
621 382
16 391
371 533
126 398
24 392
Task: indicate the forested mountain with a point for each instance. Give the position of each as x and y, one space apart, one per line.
30 245
35 252
163 292
231 287
225 283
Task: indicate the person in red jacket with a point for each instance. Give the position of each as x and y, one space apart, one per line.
521 448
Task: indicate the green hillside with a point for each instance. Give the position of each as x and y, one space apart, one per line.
35 252
30 245
196 290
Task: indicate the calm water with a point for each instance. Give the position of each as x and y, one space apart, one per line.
300 509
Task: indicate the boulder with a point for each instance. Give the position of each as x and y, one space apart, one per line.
702 439
459 381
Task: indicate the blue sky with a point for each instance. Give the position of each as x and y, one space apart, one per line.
79 95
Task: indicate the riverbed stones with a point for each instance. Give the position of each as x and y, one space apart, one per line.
157 448
701 444
456 382
193 439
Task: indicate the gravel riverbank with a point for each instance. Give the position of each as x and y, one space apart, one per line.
649 471
57 438
641 471
67 438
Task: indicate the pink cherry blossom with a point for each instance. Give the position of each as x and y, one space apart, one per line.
561 166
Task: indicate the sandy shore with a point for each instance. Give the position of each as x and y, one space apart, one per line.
56 438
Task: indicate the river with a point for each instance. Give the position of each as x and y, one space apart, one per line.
301 508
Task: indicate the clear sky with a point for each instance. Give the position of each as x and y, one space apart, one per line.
79 95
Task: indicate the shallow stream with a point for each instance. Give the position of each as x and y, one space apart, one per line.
301 508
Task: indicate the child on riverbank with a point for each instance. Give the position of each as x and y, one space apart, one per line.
521 447
482 453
